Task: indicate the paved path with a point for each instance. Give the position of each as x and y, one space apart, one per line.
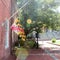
38 54
46 52
11 57
51 49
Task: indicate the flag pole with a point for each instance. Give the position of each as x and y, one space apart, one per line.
15 13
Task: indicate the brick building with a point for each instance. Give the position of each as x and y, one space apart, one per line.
7 37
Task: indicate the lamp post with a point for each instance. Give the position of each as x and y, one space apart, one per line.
37 37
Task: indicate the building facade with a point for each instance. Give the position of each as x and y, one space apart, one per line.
7 37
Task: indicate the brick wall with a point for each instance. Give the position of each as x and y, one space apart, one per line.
5 13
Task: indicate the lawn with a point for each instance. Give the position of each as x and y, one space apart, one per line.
57 42
21 53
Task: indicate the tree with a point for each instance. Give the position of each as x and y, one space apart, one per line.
43 12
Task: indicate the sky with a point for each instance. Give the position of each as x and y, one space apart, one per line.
58 9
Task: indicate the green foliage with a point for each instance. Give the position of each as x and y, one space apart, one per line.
40 11
20 51
29 36
27 44
21 42
30 44
53 40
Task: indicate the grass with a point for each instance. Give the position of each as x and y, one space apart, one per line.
57 42
21 53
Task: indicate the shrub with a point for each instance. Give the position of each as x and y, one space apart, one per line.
30 44
21 42
53 40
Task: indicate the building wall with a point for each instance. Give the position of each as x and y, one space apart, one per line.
13 10
5 13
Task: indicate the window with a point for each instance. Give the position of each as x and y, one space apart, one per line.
6 34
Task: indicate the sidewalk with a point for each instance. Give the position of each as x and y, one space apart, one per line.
11 57
52 49
38 54
47 52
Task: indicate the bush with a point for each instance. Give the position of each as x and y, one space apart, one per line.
30 44
27 44
53 40
21 42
